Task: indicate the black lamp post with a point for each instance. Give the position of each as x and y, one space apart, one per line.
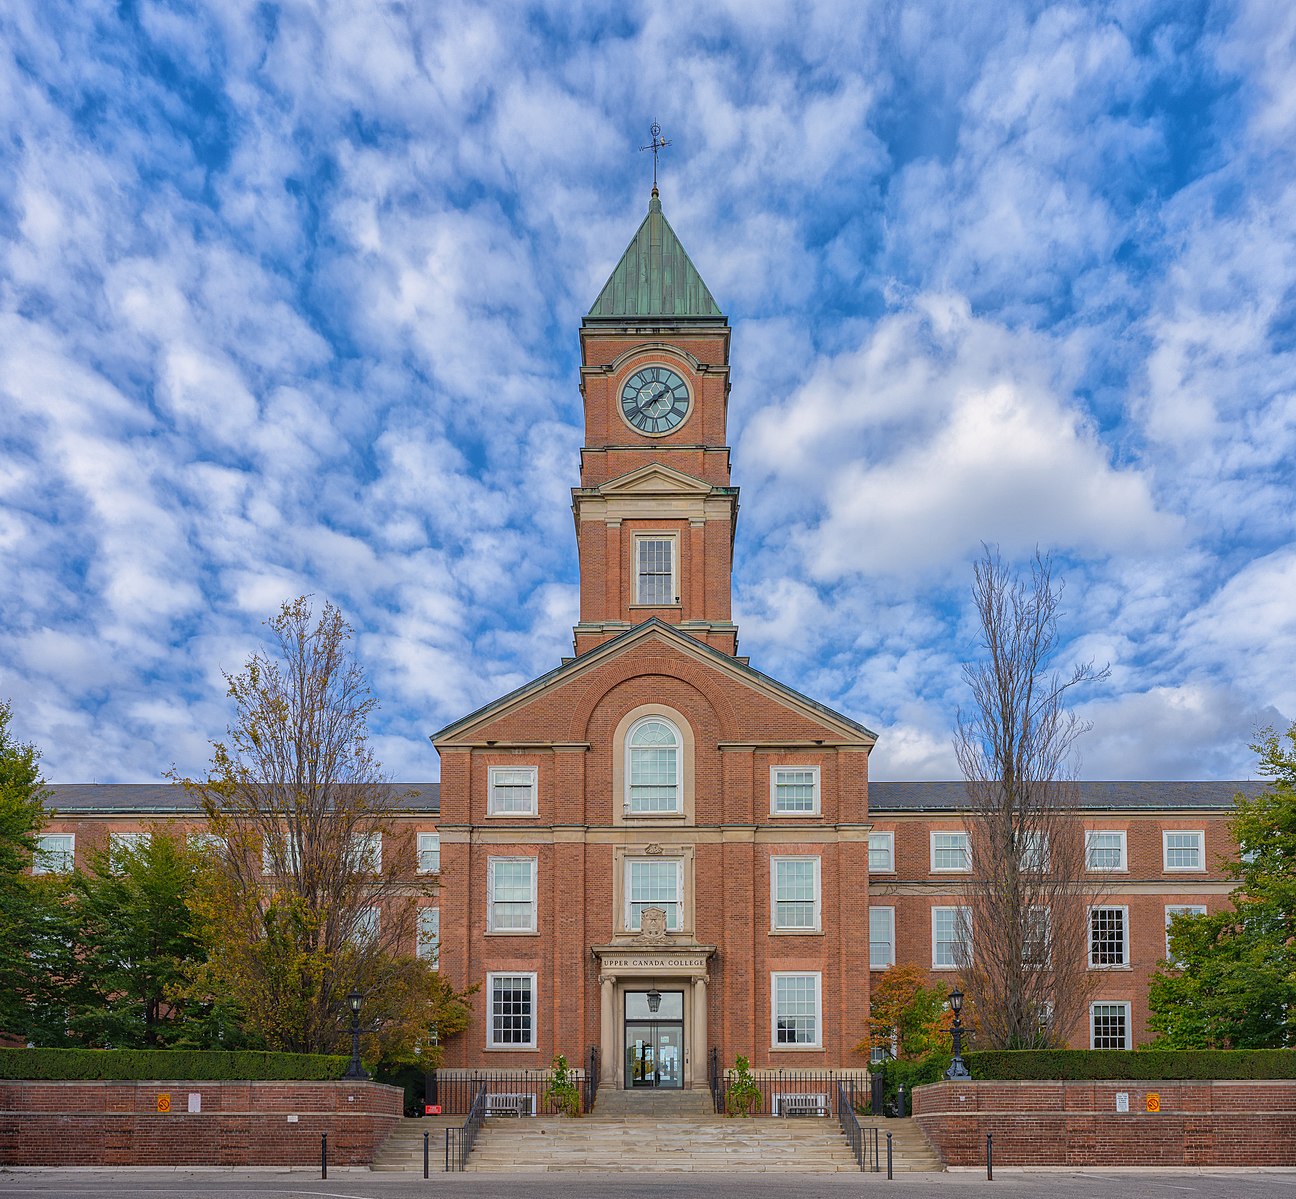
654 1000
354 1068
958 1067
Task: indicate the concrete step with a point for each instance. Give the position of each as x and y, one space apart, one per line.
403 1150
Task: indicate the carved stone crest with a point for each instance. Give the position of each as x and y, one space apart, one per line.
653 849
652 925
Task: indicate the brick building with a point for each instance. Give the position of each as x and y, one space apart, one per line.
657 850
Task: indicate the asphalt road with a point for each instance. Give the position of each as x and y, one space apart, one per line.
184 1184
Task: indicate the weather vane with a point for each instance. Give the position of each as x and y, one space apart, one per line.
657 144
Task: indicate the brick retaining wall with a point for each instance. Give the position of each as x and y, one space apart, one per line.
1077 1124
240 1123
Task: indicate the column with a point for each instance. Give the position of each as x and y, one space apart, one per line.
701 1048
609 1067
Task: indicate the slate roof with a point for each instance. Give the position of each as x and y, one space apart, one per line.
655 277
165 799
1094 796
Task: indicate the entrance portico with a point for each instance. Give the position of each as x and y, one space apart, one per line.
663 1048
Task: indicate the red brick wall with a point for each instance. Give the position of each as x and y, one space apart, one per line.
241 1123
1077 1124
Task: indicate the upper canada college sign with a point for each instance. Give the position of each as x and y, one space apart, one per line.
673 962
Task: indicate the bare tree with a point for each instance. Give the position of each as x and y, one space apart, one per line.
304 902
1029 896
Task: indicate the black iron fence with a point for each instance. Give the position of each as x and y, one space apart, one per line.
789 1092
459 1141
512 1092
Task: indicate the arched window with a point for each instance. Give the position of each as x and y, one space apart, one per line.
653 767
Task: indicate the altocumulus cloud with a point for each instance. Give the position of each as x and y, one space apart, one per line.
288 300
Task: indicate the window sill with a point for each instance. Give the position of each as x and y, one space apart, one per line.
1106 869
658 607
814 815
1183 869
882 870
1110 969
508 932
881 968
796 1049
949 870
511 1049
796 932
511 815
653 816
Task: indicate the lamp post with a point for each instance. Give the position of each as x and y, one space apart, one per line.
958 1067
354 1068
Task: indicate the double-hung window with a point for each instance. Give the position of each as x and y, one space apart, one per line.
949 851
655 571
512 791
511 902
653 767
429 853
654 883
55 853
1033 851
881 853
796 1009
1183 851
1179 909
1105 850
1036 937
366 853
881 938
364 929
122 844
429 934
951 938
795 893
284 857
1109 1025
1108 937
512 1011
794 790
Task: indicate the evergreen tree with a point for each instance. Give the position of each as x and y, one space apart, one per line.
1231 980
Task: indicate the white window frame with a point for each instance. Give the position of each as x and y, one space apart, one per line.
366 853
491 976
817 1043
1046 919
429 847
1180 909
47 860
428 934
1093 1015
1034 855
366 926
128 841
493 808
651 813
964 914
672 539
890 941
1090 834
817 925
630 923
815 801
491 863
292 854
1200 834
966 868
1124 963
887 839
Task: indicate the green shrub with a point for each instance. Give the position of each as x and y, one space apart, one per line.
912 1073
743 1096
197 1064
1150 1065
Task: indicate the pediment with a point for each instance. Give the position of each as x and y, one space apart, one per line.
655 480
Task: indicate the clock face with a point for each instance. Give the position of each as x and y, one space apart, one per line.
654 400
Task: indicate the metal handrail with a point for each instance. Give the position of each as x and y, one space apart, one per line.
863 1145
460 1141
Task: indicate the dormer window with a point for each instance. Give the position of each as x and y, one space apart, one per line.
653 767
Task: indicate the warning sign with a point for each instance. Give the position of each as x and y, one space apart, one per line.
1153 1101
164 1103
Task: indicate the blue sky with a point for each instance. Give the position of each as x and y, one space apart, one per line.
289 297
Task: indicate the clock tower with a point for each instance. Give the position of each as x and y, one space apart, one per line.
655 513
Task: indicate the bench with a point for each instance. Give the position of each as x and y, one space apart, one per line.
508 1105
802 1105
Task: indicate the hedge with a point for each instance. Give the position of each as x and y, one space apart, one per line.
197 1064
1148 1065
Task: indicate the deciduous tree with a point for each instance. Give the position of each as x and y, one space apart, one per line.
1028 896
1231 979
908 1017
299 906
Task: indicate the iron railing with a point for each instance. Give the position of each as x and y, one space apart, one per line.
863 1141
459 1141
787 1092
519 1092
590 1084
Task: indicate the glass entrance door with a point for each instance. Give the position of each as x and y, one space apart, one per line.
654 1040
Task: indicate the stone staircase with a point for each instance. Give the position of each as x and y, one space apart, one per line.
403 1149
910 1148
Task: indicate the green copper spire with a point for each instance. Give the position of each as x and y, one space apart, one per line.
655 277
